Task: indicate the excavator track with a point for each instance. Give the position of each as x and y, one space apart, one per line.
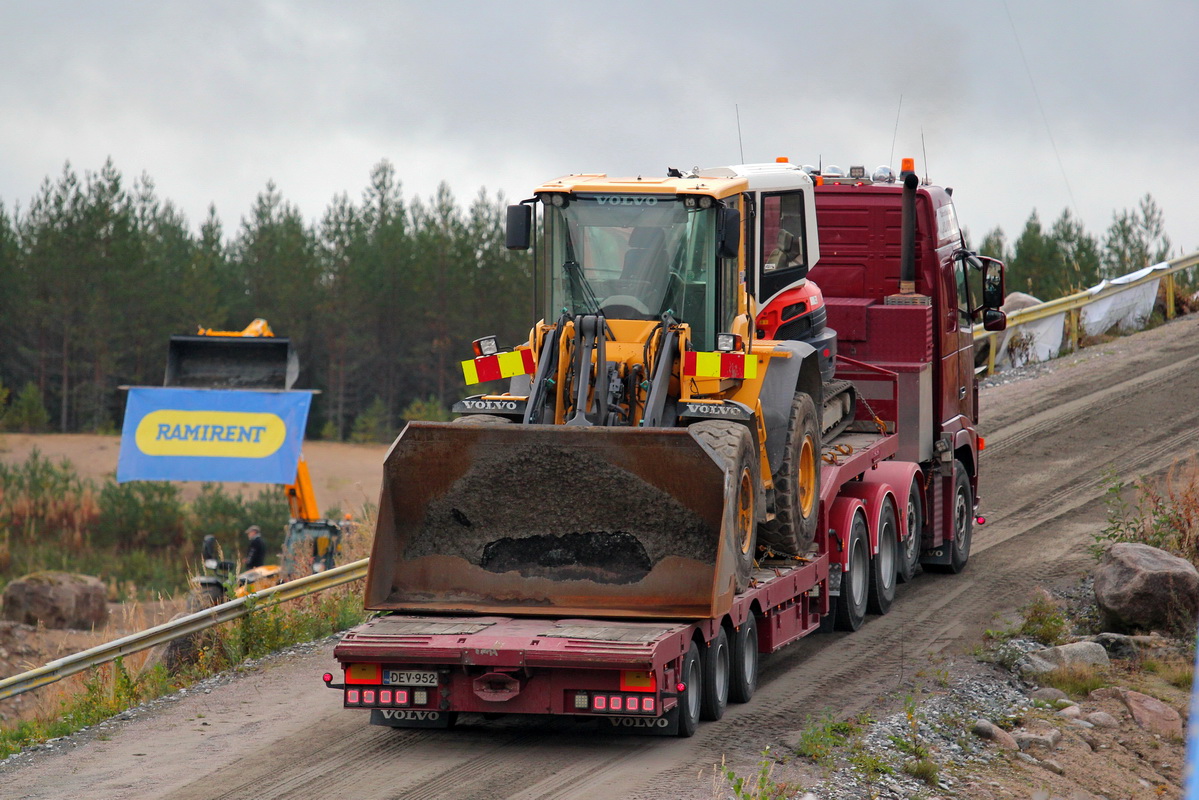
839 408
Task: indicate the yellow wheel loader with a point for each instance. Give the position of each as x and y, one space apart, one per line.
651 443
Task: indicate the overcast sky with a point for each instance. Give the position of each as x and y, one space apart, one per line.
1020 105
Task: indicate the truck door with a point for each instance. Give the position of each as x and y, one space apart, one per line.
965 340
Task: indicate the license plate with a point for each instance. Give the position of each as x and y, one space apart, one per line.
410 677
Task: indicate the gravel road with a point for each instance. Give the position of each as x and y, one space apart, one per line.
276 732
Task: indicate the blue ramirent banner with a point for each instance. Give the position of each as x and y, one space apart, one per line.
229 435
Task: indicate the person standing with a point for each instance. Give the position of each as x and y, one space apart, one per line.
256 555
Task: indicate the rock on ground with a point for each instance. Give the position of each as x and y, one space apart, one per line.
57 600
1138 587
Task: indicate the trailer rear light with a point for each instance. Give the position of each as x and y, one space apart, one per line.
420 697
680 687
633 704
385 697
615 703
582 701
327 677
599 703
648 704
401 698
368 697
352 697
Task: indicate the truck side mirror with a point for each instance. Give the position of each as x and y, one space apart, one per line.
993 289
729 232
994 319
520 226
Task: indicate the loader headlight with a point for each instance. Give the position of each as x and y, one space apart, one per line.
486 346
728 342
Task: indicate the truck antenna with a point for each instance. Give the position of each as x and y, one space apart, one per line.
895 133
924 150
740 145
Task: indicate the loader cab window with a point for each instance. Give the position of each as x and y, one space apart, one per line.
782 243
634 256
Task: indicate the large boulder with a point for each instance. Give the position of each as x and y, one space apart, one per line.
1138 587
56 600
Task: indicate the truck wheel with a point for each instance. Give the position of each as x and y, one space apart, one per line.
909 553
963 519
733 444
797 482
743 677
716 678
851 605
482 419
689 700
883 567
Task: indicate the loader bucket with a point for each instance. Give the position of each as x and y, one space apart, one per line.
550 519
231 362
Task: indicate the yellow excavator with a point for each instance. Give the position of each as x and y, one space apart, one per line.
254 358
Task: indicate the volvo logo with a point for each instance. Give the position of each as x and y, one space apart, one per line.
625 200
635 722
490 405
410 714
715 410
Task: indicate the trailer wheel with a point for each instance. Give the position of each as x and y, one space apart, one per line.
733 444
716 678
797 482
963 518
689 700
851 605
743 677
883 567
909 553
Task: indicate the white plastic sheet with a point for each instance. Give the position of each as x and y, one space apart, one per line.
1039 340
1127 309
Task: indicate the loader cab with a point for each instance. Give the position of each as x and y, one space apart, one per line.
640 256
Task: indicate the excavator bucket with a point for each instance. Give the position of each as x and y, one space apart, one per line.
550 519
231 362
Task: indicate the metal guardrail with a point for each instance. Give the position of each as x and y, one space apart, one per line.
1072 305
184 626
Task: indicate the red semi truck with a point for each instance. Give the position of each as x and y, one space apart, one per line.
621 535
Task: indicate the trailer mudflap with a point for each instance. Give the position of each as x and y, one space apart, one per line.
412 718
552 520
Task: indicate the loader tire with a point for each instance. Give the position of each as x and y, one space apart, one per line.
482 419
733 443
796 483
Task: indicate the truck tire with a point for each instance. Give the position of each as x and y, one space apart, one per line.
482 419
690 675
716 677
796 483
963 518
909 553
743 677
884 567
851 604
734 445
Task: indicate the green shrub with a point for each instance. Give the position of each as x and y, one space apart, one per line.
27 413
429 409
141 514
373 424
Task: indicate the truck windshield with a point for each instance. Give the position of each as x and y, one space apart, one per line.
634 257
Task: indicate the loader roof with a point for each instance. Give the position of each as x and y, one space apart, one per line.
715 187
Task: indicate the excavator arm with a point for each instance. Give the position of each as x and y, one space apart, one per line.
300 497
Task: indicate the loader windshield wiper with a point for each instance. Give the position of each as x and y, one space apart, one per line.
580 287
